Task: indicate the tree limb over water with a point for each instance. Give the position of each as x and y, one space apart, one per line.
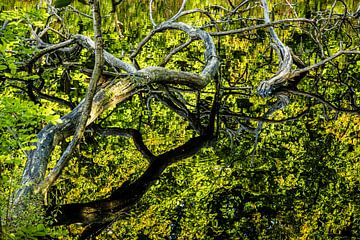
207 109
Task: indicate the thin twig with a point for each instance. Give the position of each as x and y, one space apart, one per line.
150 13
178 14
174 51
264 25
316 65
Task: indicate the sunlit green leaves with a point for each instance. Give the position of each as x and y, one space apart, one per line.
301 181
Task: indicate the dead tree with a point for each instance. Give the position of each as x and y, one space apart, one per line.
128 80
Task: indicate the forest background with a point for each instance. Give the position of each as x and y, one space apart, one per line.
228 126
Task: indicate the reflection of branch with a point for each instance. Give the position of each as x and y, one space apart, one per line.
199 11
185 113
51 29
316 65
264 25
174 51
178 14
129 193
79 12
323 101
48 50
128 132
30 87
53 98
238 7
262 119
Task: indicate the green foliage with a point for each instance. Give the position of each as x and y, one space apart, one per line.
301 181
34 226
20 120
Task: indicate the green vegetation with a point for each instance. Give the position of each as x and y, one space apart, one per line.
243 157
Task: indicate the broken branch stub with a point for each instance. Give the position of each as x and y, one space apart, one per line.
266 87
